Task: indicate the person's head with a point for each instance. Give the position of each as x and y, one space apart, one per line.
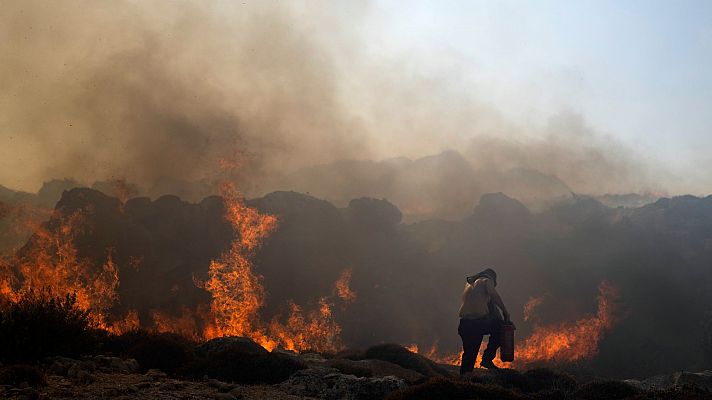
487 273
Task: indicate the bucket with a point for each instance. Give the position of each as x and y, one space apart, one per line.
506 352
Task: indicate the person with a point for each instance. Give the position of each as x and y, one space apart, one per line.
478 317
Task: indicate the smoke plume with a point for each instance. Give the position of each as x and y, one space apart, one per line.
160 91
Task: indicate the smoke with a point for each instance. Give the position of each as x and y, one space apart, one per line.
159 92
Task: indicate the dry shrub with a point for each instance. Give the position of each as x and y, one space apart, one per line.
39 325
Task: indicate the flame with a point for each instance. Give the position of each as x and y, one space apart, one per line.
238 295
568 341
129 323
51 261
318 333
343 289
185 325
452 358
532 304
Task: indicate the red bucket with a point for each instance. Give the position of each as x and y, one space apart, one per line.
506 352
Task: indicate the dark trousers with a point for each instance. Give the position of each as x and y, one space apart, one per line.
471 331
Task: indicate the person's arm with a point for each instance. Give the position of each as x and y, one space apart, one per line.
497 299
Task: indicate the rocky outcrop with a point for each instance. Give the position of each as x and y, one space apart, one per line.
330 384
701 380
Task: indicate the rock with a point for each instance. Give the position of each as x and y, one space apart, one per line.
377 368
238 392
143 385
232 343
655 382
225 396
328 383
59 365
73 371
311 359
701 380
219 385
214 383
112 364
131 365
84 377
29 393
168 386
635 383
88 365
156 374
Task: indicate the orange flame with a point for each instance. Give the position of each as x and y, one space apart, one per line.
185 325
455 358
343 289
568 341
238 294
531 305
319 332
51 261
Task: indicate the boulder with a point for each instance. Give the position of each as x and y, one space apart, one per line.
701 380
232 343
374 368
330 384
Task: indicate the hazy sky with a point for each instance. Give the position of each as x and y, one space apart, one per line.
640 71
96 90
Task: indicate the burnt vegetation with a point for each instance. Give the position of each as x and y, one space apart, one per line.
39 325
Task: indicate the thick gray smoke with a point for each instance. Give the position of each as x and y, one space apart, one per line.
161 91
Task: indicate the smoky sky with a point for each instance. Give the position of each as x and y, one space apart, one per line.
142 91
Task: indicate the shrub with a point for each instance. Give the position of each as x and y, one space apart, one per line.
14 375
235 366
168 352
443 388
39 325
605 390
406 359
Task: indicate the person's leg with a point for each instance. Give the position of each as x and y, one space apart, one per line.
494 343
471 340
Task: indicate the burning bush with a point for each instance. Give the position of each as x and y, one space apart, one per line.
39 325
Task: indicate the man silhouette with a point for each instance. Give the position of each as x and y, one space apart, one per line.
478 317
